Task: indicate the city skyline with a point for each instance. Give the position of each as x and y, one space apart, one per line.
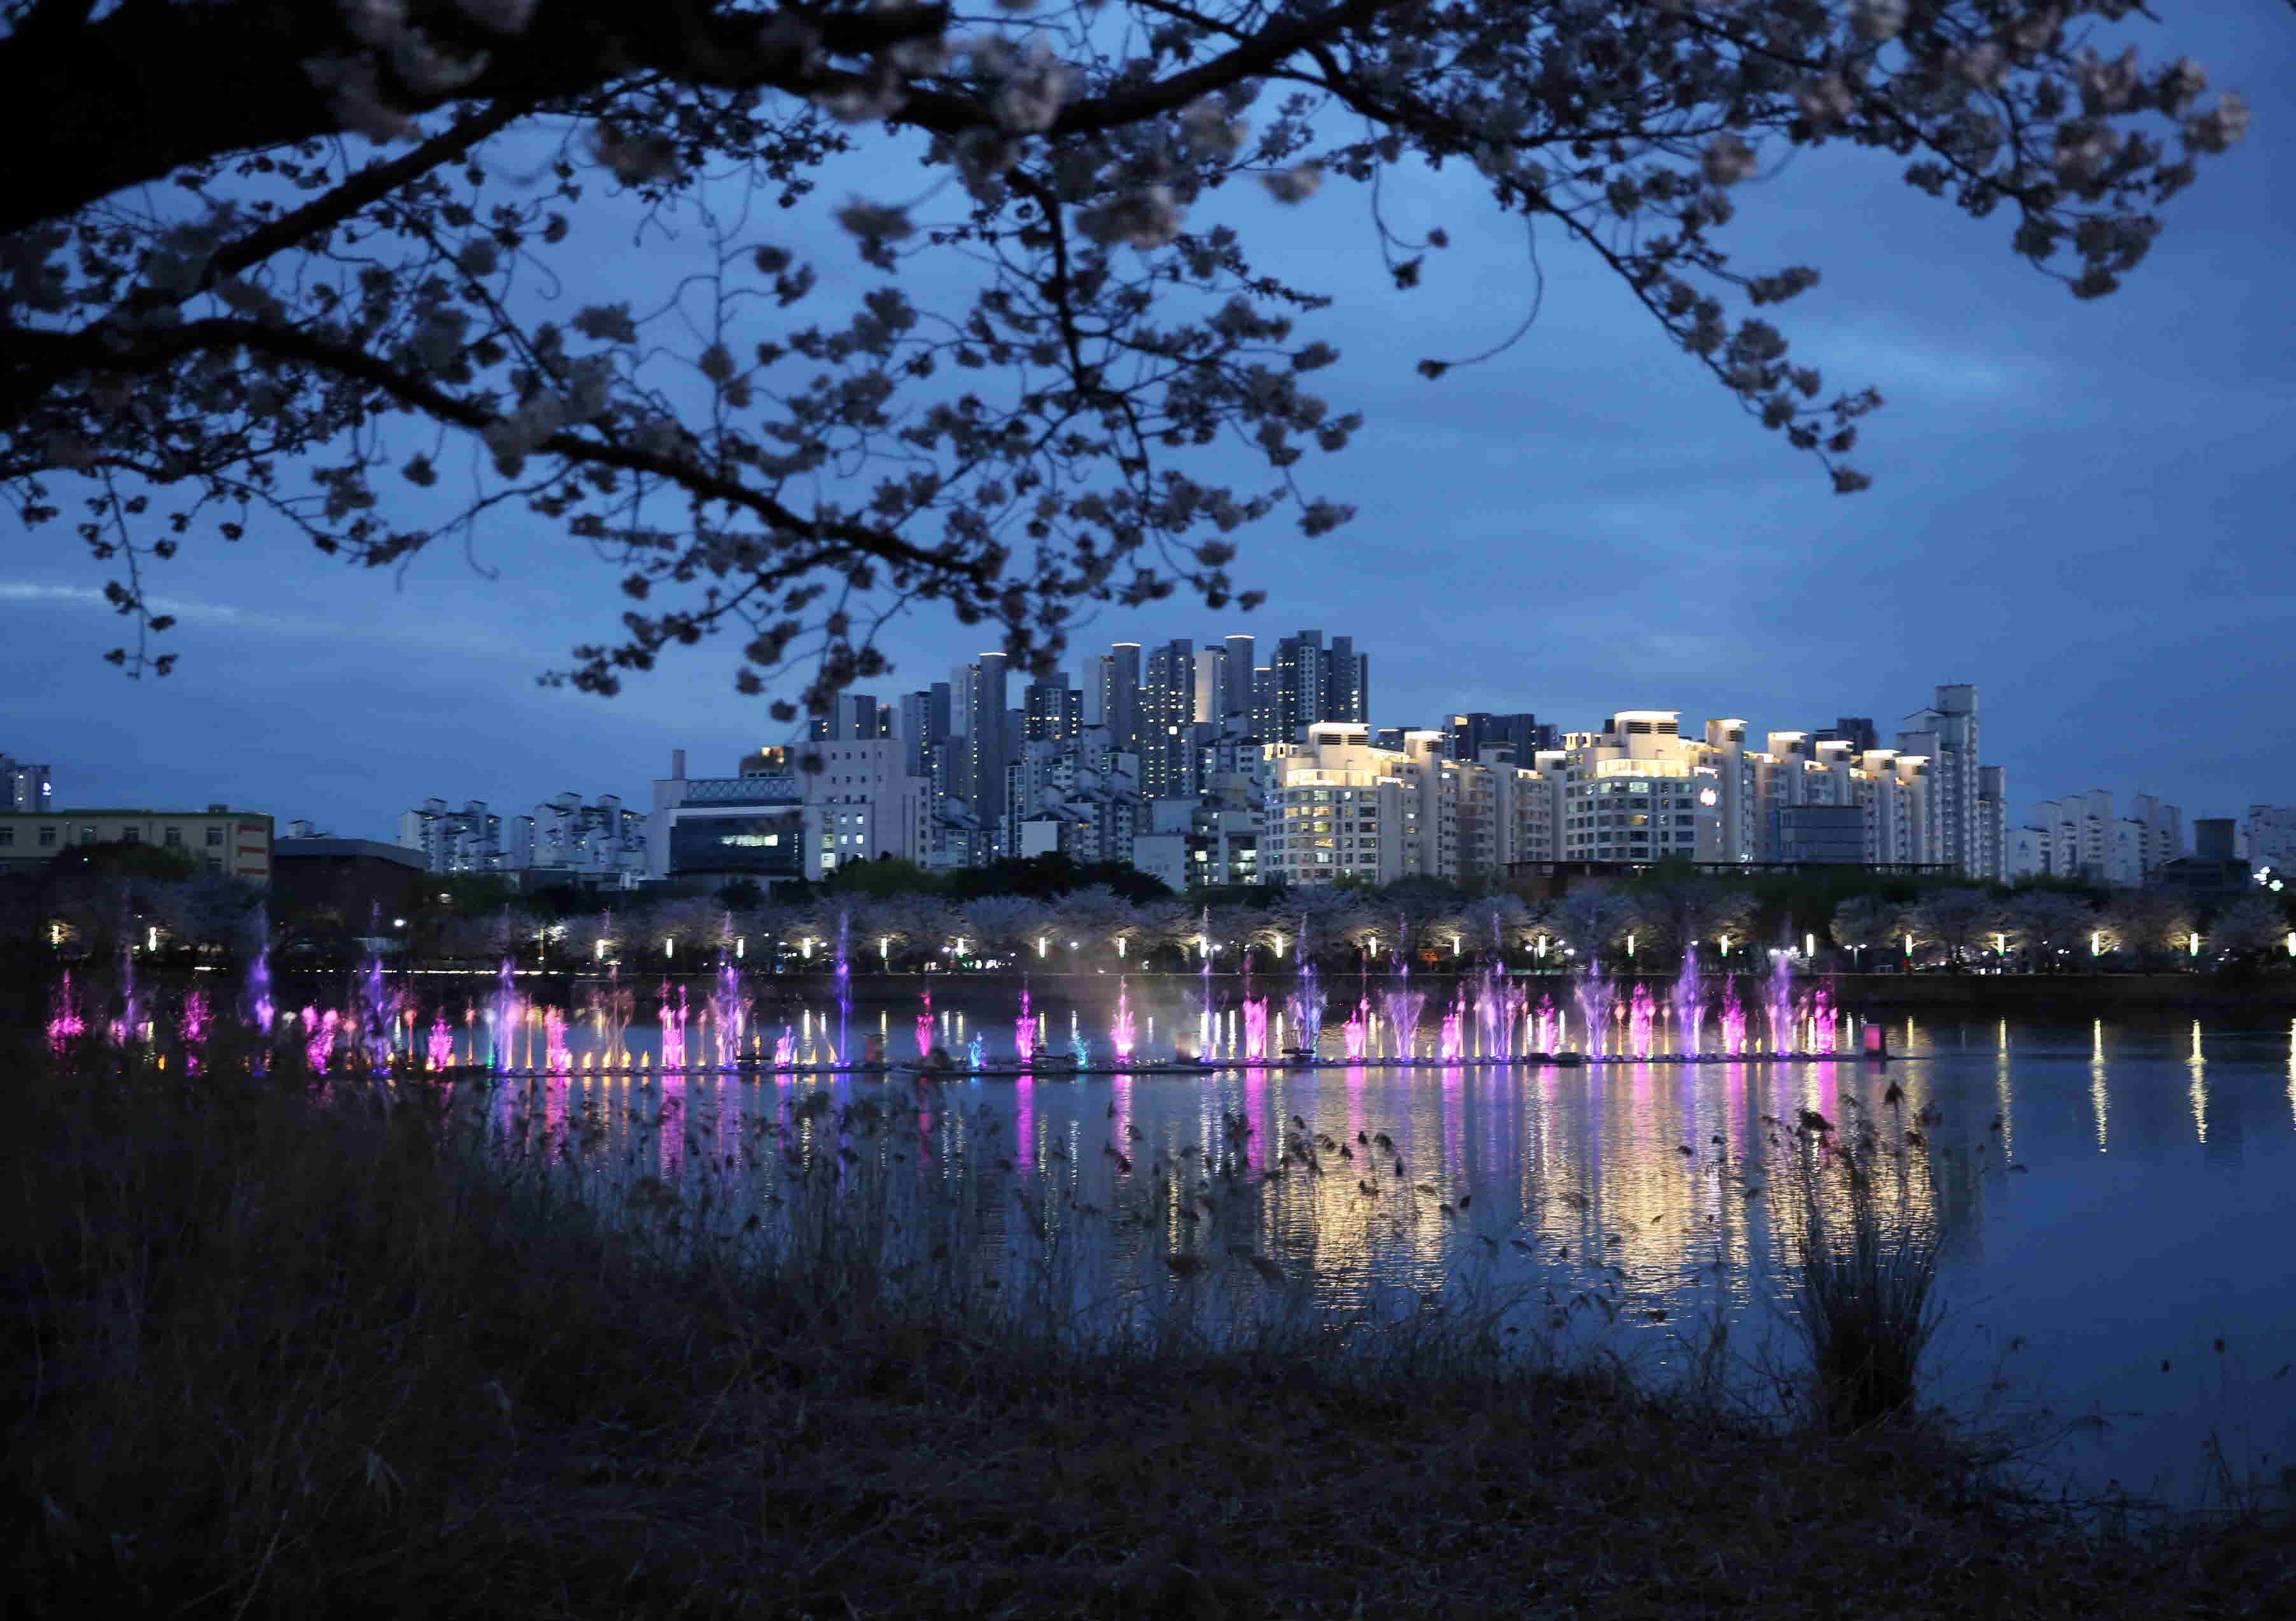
2078 507
2027 804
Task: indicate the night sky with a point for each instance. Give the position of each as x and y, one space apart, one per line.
2085 509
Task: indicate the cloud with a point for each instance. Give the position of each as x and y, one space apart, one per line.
431 636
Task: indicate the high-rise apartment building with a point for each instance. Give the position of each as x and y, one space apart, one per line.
1313 682
468 840
1471 734
2268 837
1236 672
856 717
1168 720
980 689
1966 832
1338 805
24 787
1051 709
1855 730
1116 686
922 723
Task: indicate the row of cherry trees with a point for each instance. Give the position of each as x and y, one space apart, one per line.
1093 929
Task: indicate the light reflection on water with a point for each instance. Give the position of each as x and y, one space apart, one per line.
2110 1198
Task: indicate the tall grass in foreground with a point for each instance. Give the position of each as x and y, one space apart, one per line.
1866 1268
272 1338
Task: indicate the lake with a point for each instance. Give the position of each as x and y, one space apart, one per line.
2116 1200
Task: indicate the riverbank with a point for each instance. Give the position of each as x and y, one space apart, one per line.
274 1357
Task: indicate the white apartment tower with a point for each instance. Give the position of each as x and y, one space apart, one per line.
1963 834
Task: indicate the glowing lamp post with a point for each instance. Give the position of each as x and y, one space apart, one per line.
1454 944
960 947
600 954
2193 941
1041 946
2291 944
2096 943
1809 947
1542 948
805 948
1279 948
1120 948
1630 947
885 951
741 943
668 947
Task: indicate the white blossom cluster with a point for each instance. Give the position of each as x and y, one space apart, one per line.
384 39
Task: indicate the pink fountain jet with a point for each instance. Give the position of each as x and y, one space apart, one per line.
1123 1036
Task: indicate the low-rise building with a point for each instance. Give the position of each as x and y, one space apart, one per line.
218 838
776 821
369 884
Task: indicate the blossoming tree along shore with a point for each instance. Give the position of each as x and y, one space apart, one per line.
278 265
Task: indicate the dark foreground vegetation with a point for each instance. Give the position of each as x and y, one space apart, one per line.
279 1353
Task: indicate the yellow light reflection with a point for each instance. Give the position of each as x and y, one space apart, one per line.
2198 1064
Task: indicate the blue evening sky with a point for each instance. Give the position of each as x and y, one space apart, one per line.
2085 509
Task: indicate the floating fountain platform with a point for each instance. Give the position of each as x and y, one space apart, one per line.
759 1069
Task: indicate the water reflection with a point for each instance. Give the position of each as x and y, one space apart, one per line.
2153 1169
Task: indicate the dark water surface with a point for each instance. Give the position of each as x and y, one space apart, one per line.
2115 1201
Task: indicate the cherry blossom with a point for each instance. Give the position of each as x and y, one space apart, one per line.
226 321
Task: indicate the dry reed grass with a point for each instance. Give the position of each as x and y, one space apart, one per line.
281 1353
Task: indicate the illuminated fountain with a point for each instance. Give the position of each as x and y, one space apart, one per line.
1024 1032
1122 1034
502 1020
673 1028
1825 1022
729 1010
1595 998
1548 1035
1689 1004
1402 1006
442 1042
1782 1020
925 1028
1255 1030
1306 1001
1355 1035
553 1042
1642 1014
65 1024
1448 1042
258 974
844 982
1734 1019
124 1027
319 1037
785 1048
